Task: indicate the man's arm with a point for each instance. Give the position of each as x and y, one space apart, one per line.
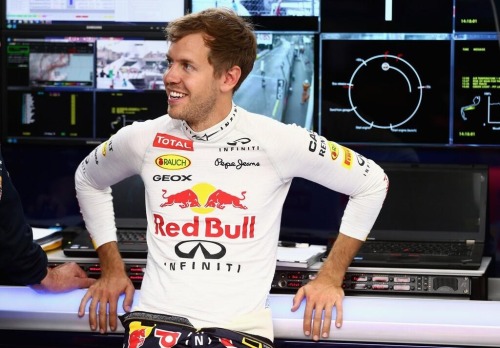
104 294
325 291
65 277
21 259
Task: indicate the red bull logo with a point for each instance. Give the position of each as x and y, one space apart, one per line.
204 198
219 199
138 334
183 199
209 227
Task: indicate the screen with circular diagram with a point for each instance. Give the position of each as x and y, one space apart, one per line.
385 88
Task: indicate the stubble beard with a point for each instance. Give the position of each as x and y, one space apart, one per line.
195 112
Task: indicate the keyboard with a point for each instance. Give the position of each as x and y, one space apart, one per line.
421 248
127 236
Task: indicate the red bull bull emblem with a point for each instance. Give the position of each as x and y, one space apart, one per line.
138 334
219 199
184 199
204 198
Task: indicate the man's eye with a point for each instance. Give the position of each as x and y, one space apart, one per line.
188 67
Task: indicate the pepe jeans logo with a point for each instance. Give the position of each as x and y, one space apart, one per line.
210 250
238 164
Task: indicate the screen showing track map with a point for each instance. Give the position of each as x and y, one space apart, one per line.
385 88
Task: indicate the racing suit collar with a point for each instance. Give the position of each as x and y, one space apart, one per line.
215 132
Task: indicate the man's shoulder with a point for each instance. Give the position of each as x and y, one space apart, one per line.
249 117
160 123
262 124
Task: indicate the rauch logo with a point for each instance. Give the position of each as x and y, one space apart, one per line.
172 162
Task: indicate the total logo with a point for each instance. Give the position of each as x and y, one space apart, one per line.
203 198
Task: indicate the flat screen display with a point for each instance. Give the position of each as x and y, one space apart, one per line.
476 90
92 15
302 15
387 16
82 89
282 84
476 15
385 88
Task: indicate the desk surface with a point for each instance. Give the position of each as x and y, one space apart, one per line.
366 319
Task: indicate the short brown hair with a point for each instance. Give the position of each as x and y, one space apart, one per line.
230 38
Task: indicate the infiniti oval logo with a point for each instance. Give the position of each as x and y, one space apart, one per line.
240 140
210 250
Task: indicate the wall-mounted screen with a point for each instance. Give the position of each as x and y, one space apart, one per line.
92 15
387 16
300 15
385 88
283 81
477 90
82 89
476 15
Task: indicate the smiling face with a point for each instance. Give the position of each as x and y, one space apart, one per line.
194 93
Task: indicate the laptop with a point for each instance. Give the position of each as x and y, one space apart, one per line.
130 217
434 216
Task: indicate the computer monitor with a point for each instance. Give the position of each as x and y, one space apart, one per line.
74 89
476 15
270 14
385 88
80 89
283 82
476 106
387 16
93 15
311 213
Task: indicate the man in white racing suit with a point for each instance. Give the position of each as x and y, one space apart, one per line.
216 177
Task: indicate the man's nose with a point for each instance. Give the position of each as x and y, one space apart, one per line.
171 75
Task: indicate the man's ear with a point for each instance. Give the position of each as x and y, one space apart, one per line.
230 78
